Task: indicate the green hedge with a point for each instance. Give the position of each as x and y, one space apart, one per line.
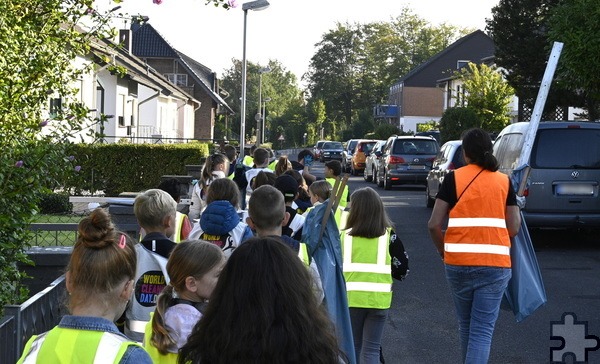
55 203
116 168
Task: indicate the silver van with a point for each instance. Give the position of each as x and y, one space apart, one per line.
565 172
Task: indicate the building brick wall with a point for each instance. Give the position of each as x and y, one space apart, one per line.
423 101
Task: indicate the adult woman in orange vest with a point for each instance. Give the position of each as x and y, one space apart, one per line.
482 213
100 282
368 244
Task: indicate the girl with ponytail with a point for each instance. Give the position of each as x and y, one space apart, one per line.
194 267
215 166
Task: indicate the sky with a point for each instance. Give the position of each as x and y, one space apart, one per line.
286 31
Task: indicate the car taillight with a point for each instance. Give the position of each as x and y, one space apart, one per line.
526 192
394 160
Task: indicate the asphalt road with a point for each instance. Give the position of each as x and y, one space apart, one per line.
422 328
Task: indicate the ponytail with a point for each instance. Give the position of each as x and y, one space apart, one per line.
477 145
160 335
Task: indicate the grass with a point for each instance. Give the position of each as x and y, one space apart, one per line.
55 238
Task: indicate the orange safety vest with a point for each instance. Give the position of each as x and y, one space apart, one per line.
477 234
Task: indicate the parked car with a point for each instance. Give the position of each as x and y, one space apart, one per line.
331 150
564 179
317 149
347 154
359 157
372 162
433 133
406 160
449 158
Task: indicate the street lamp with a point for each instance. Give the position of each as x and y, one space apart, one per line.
251 5
264 115
259 128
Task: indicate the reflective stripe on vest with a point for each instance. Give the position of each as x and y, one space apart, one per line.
367 269
477 234
178 226
63 345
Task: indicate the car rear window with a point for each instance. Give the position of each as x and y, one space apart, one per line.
366 147
415 146
566 148
333 145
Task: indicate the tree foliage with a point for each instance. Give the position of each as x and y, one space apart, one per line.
488 95
280 85
355 64
39 43
576 23
455 120
519 29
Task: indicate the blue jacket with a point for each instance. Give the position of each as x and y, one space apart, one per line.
326 251
221 225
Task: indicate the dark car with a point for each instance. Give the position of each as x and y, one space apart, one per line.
406 160
449 158
564 180
331 150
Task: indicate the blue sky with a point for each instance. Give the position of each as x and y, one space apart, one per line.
287 30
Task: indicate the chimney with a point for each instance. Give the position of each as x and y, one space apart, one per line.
125 39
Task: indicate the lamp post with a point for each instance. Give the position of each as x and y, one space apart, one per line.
264 115
251 5
259 128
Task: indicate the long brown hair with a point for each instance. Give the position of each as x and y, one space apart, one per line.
283 164
367 217
192 258
249 320
209 166
102 258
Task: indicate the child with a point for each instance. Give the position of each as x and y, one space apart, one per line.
100 280
288 186
263 178
194 267
155 212
263 315
368 245
319 191
183 226
333 169
220 222
267 214
215 167
302 201
282 165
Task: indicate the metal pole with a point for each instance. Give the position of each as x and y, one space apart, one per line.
258 129
262 129
243 106
540 102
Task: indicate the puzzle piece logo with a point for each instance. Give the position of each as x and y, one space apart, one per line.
575 341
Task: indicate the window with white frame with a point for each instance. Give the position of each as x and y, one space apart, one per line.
178 79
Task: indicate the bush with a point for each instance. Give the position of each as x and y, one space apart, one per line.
55 203
456 120
385 131
115 168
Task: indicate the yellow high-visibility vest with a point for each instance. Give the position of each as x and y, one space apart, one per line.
367 266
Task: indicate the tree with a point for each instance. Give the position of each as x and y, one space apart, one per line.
40 41
488 95
280 85
519 29
355 64
576 23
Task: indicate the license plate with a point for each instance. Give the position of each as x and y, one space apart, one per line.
575 189
418 166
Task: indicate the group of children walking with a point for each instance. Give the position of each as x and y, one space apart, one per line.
235 290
